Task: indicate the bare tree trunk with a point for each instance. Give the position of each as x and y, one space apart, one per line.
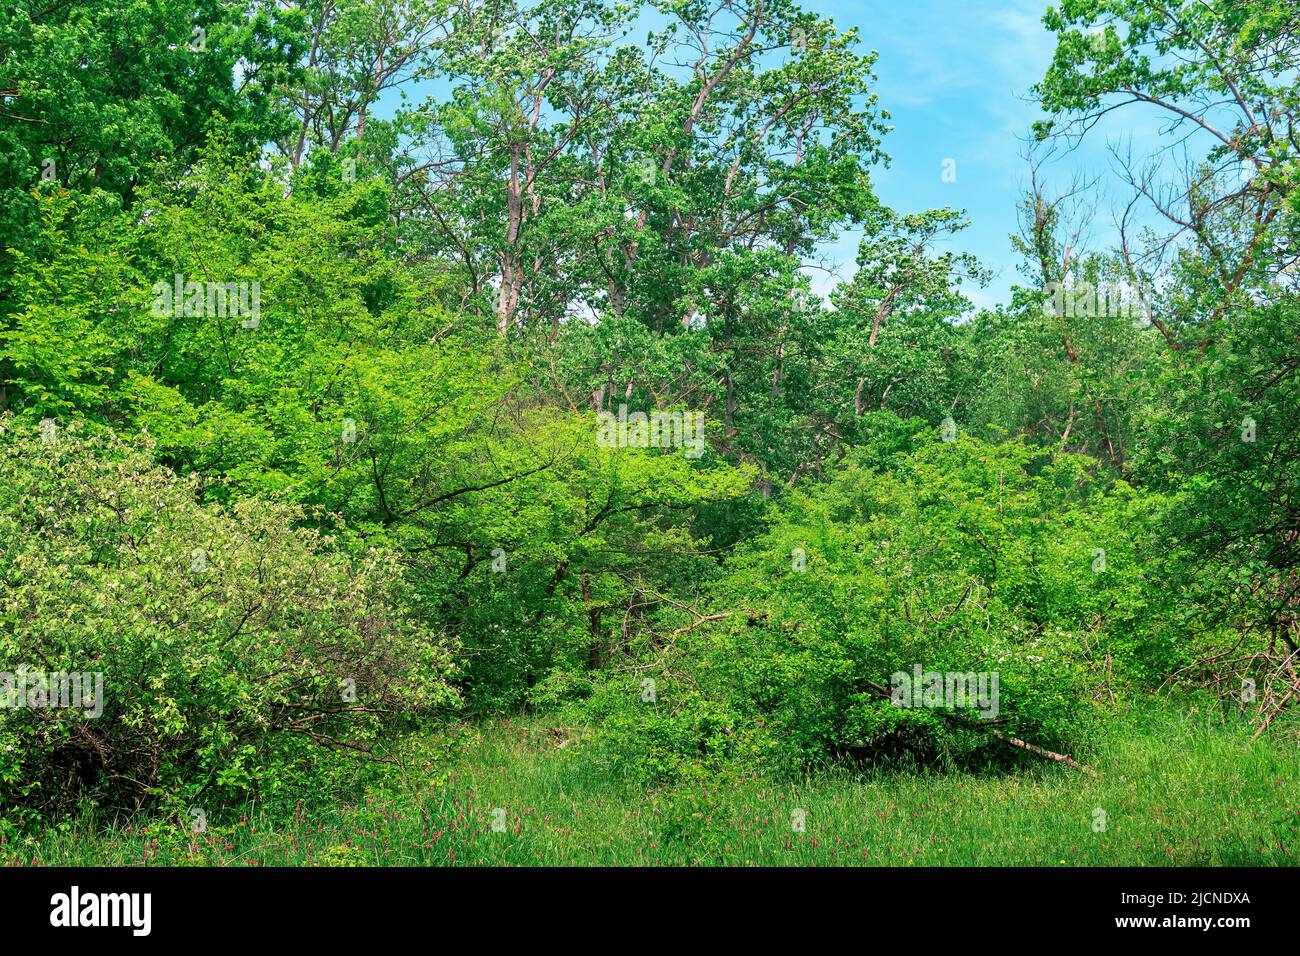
508 295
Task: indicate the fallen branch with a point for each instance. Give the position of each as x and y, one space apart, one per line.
1041 751
1012 741
1269 719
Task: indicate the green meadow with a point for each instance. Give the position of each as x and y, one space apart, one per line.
1178 792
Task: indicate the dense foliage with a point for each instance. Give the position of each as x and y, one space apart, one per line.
380 361
231 643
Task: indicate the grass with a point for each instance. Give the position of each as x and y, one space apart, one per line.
1177 792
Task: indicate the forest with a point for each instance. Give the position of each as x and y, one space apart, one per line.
428 437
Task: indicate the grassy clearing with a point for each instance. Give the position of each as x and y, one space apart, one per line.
1175 793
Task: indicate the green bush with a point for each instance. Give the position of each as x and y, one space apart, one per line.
965 558
235 648
676 735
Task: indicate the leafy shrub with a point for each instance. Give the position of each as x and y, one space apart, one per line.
966 558
342 855
680 735
235 648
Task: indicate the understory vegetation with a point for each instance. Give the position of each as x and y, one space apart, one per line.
1181 791
471 476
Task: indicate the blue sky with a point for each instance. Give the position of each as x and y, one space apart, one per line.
955 77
